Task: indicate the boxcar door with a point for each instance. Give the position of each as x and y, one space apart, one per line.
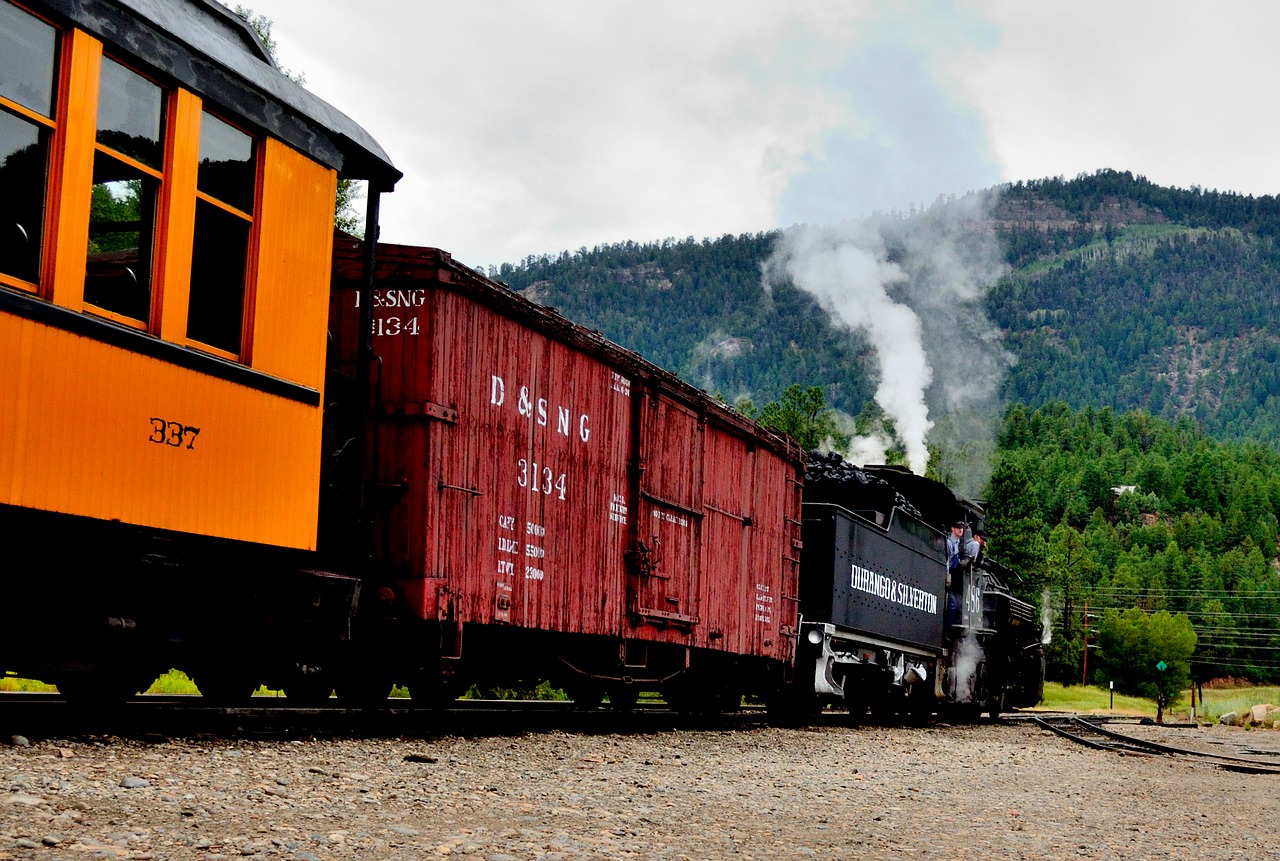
662 581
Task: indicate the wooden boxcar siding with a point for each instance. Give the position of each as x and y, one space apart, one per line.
477 385
513 497
76 417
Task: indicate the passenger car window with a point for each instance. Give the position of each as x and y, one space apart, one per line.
29 48
126 187
224 223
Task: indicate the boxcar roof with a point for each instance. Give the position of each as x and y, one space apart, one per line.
399 265
213 52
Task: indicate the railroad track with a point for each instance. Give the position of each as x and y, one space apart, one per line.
49 716
1092 733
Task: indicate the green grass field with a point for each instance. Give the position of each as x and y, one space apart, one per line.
1097 700
1076 698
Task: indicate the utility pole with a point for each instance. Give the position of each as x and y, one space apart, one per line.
1084 673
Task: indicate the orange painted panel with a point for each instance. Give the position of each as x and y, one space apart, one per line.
178 215
90 429
295 251
72 168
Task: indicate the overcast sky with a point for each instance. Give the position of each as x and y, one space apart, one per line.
533 126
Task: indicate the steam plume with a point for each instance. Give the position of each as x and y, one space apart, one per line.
913 286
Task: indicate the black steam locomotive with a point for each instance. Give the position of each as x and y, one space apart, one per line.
898 618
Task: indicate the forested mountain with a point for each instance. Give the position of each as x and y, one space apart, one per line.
1138 459
1116 511
1117 293
699 308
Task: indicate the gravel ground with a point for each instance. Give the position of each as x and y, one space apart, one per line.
981 792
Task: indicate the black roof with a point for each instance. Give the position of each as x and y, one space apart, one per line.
214 53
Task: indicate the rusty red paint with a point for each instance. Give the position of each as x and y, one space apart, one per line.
539 477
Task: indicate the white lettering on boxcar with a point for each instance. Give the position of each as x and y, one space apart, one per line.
620 384
668 517
763 603
539 409
618 508
397 298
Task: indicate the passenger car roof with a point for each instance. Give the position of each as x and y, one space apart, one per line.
214 53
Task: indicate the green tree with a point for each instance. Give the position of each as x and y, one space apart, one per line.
1014 523
345 215
802 414
1148 655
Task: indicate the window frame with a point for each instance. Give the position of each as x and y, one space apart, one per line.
53 125
249 296
160 227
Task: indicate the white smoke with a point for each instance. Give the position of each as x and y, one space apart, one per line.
965 661
1046 619
913 286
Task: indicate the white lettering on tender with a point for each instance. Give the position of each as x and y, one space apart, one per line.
888 589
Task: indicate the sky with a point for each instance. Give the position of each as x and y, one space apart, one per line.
526 127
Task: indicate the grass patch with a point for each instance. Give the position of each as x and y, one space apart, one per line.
1218 702
173 682
1097 700
13 683
1093 699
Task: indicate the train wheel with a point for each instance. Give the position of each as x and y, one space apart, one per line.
309 686
102 686
920 705
994 706
623 698
363 690
586 697
427 690
856 703
790 705
225 685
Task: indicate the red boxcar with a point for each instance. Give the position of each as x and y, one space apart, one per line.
550 505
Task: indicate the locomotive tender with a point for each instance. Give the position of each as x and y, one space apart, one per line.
233 443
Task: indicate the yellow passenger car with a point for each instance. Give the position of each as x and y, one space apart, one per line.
165 247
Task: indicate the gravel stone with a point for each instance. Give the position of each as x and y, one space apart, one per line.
829 792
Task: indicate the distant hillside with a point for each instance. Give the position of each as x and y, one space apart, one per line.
1118 293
